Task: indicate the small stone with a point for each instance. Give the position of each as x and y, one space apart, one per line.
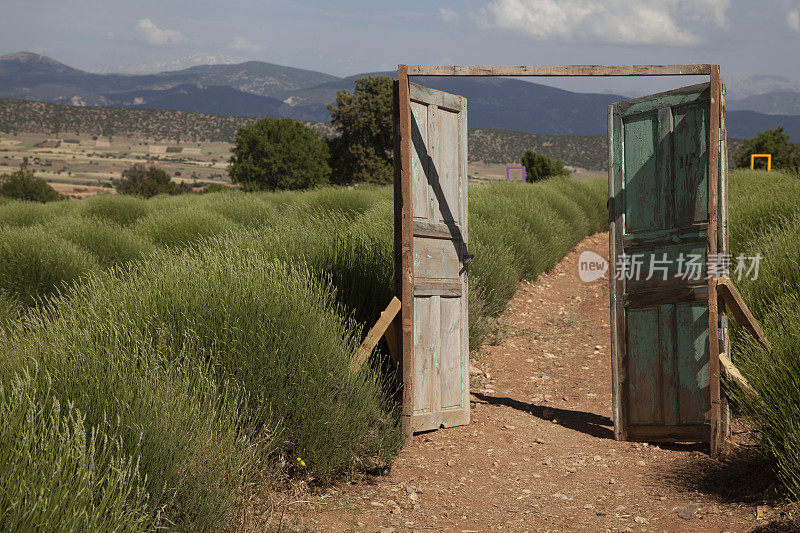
537 440
640 519
640 463
509 427
549 355
413 496
689 511
376 504
612 481
387 530
450 463
529 360
488 375
547 462
560 496
598 347
475 371
588 506
396 509
410 489
598 458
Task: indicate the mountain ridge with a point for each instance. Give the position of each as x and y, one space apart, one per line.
256 88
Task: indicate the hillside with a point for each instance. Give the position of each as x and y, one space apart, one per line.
485 145
256 88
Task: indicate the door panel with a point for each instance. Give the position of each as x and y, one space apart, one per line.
658 187
439 357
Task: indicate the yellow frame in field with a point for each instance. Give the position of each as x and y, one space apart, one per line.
753 160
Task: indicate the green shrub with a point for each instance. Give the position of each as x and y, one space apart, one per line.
785 154
34 263
140 180
279 154
539 167
108 243
24 185
765 219
182 226
27 213
122 209
57 474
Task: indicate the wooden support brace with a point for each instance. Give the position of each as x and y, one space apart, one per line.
735 375
375 334
733 300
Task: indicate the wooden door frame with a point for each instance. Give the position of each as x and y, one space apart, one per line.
404 233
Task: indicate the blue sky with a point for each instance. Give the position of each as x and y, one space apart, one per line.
348 37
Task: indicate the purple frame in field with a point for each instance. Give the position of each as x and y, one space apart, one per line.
509 169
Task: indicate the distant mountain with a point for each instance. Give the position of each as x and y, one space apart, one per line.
256 88
740 86
36 77
774 103
216 100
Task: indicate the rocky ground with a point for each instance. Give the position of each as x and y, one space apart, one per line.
539 453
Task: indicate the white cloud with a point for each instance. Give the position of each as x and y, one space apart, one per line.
243 45
155 36
624 22
794 19
448 15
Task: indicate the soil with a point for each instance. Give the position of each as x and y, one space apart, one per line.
539 452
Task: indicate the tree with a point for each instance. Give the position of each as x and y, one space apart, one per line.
141 180
24 185
785 154
279 154
539 167
364 120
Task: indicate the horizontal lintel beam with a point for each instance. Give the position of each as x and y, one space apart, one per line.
559 70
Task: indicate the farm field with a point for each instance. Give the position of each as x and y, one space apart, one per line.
83 165
79 166
172 359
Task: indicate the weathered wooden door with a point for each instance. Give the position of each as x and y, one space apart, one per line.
431 255
664 220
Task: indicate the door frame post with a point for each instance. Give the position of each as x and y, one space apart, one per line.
406 252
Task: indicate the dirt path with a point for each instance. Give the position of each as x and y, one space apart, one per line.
539 454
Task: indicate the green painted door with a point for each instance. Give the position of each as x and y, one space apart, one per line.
658 188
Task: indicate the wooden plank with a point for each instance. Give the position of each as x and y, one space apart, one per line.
407 257
398 242
558 70
644 360
735 375
669 378
617 286
693 433
451 364
733 300
438 230
391 340
676 97
664 166
670 295
440 99
692 361
437 259
438 287
420 163
375 334
462 416
716 436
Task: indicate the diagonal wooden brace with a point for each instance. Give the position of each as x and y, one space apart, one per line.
384 326
733 300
